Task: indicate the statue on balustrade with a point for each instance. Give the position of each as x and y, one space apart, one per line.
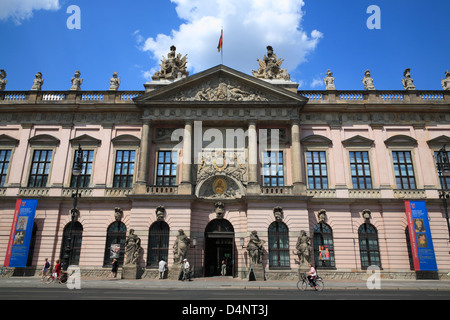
114 82
174 67
3 80
76 81
368 81
270 67
408 81
446 82
329 81
37 82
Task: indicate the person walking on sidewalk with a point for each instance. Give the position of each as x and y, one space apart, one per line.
45 269
186 270
115 267
224 267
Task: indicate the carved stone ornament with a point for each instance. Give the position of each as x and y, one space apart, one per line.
322 215
219 90
270 67
408 81
174 67
255 248
278 213
3 80
37 82
220 209
304 249
75 214
367 215
180 247
132 248
446 82
160 212
118 214
368 81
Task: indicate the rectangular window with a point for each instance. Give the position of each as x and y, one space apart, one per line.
5 156
316 164
84 178
445 180
360 170
403 169
40 168
124 169
273 169
166 174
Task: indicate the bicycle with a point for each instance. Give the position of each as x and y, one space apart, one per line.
62 278
3 271
304 282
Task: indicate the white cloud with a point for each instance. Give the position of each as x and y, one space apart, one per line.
249 27
20 10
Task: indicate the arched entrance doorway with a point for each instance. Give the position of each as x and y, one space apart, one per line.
219 245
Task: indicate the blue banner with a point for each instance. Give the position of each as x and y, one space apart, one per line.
22 232
420 236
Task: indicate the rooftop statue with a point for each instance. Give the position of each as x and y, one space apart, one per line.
174 67
3 81
446 82
37 83
270 67
329 81
76 81
408 81
114 82
368 81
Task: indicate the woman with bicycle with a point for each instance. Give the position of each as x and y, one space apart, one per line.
312 275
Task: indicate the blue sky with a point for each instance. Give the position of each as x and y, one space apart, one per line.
311 35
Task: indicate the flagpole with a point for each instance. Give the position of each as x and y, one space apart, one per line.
221 52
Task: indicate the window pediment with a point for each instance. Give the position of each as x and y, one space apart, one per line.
401 140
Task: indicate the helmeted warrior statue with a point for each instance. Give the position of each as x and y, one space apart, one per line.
174 67
270 67
37 82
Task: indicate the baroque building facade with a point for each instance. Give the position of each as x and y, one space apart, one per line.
221 154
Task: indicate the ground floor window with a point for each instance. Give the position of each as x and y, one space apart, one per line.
323 246
158 243
77 237
278 245
115 243
368 246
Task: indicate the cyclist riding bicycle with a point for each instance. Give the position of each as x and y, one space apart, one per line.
312 275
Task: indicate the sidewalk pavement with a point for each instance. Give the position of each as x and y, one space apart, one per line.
230 283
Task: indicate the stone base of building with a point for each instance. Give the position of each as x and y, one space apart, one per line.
130 272
270 275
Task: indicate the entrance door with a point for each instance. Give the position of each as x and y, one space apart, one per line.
219 246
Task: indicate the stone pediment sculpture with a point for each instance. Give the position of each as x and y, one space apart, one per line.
270 67
174 67
221 90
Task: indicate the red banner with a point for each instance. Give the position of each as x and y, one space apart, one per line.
12 233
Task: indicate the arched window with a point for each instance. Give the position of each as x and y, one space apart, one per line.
368 246
323 246
158 244
115 243
278 245
77 237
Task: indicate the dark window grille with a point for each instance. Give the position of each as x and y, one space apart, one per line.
166 174
5 157
84 179
124 169
158 244
278 245
317 169
360 170
40 168
404 170
116 234
368 246
273 169
323 246
444 180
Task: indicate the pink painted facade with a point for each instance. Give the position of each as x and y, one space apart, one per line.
310 123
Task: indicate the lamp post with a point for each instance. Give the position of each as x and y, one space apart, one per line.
76 171
443 168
